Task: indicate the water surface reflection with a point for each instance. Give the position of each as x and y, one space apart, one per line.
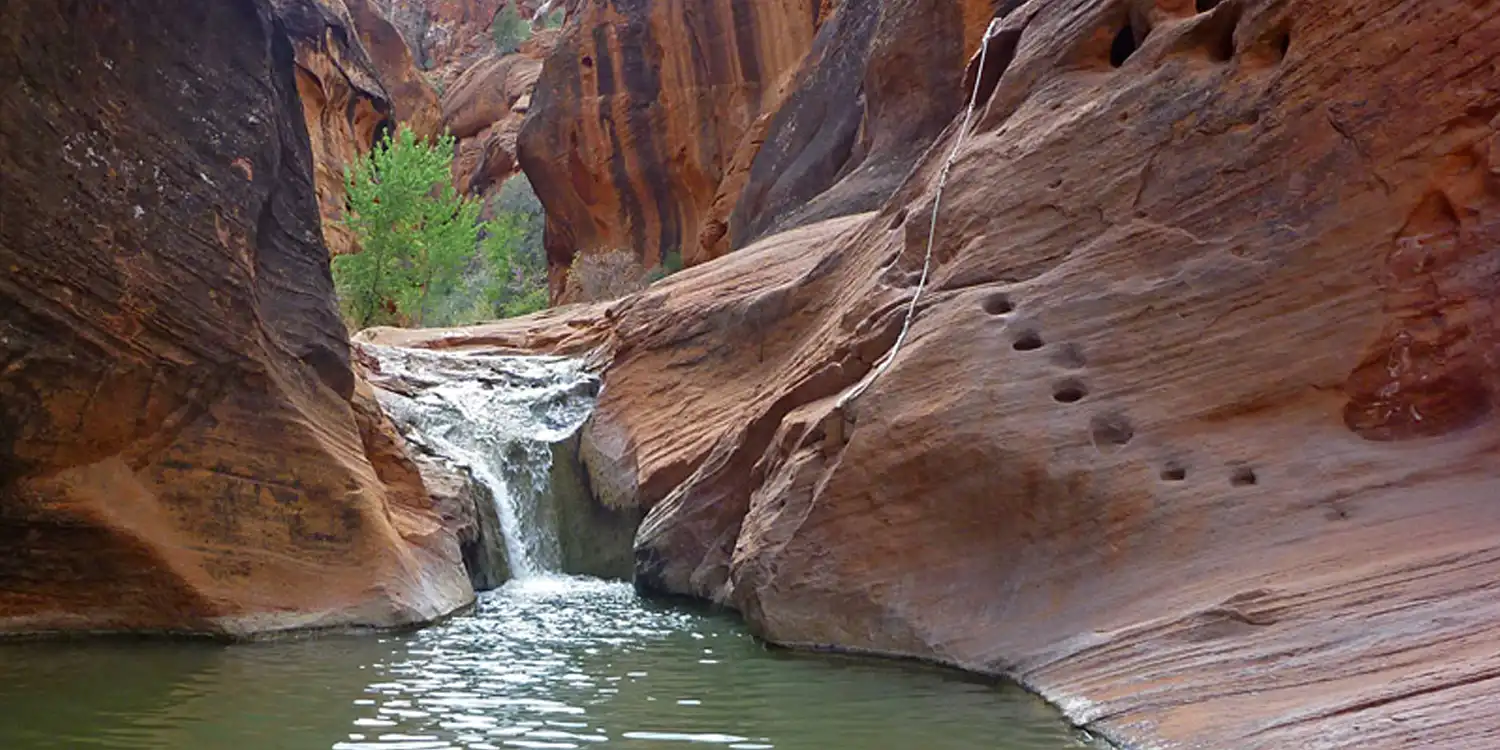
545 663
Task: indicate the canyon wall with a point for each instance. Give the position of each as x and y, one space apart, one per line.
183 445
1194 430
646 117
347 54
448 37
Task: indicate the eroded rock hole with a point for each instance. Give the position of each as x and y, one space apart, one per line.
1283 44
1028 341
1111 430
588 62
998 304
1123 47
898 220
1069 392
1243 477
1204 6
1173 473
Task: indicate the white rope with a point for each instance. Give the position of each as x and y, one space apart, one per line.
937 202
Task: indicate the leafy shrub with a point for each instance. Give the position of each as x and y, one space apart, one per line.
552 20
416 231
670 263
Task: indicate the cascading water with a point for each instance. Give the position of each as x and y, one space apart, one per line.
496 416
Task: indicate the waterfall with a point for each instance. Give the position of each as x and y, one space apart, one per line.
497 416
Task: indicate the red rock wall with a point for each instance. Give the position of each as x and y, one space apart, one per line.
448 37
182 443
356 81
641 113
1195 431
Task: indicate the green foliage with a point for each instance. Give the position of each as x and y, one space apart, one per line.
417 232
510 29
670 263
553 20
513 249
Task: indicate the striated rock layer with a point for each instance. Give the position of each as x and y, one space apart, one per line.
484 110
345 102
447 37
1195 430
183 446
646 116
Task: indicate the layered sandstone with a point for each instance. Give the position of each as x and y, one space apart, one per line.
413 100
484 108
1195 428
447 37
356 82
183 445
646 118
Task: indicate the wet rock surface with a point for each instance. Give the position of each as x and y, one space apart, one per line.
183 445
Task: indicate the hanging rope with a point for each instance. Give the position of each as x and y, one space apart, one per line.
937 202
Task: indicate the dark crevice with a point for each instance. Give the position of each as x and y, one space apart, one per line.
1243 477
1123 47
997 57
1204 6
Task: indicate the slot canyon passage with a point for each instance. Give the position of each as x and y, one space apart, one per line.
1127 368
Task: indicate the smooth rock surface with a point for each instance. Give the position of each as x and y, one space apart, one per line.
344 104
1195 429
645 117
183 445
484 110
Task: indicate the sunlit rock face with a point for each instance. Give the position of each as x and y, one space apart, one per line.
1195 428
183 445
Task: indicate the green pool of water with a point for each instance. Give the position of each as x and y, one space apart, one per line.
549 663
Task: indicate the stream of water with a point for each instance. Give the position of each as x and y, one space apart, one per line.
546 661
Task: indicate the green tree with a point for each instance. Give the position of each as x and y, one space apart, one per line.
512 249
417 232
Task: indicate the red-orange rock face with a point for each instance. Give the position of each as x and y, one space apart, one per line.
484 109
447 37
182 443
1195 430
413 101
356 80
645 116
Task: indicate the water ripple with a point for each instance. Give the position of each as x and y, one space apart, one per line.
546 663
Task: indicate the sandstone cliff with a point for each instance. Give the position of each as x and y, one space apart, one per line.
342 87
1195 430
183 446
647 116
448 37
484 109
